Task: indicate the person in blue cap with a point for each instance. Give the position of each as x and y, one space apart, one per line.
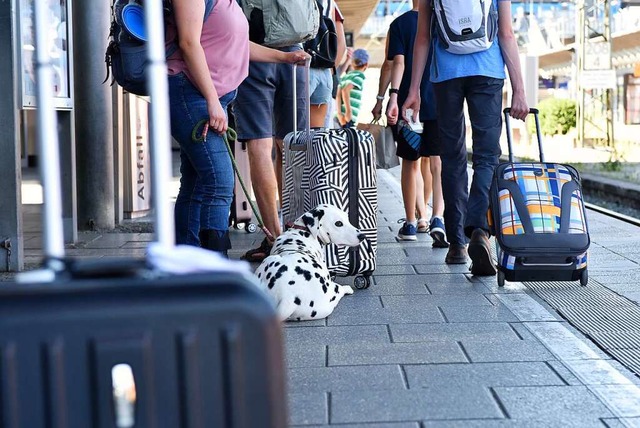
349 96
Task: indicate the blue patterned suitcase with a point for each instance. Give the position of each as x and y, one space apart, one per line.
538 218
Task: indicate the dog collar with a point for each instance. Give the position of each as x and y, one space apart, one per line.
297 226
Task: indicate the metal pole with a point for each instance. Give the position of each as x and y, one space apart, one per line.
48 144
159 128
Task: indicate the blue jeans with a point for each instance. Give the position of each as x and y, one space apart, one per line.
464 209
207 178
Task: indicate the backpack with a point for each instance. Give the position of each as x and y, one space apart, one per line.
126 55
323 48
280 23
466 26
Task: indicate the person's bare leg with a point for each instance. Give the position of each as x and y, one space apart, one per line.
318 115
421 207
265 183
438 201
408 173
278 163
425 172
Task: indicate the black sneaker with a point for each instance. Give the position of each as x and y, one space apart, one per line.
480 254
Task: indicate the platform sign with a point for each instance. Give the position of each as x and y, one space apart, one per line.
597 55
598 79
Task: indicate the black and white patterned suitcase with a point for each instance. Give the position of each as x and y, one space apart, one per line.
338 167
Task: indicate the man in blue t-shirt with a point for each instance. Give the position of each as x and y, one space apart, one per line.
477 78
400 39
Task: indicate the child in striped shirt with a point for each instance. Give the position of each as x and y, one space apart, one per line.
349 95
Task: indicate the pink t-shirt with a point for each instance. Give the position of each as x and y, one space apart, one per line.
225 40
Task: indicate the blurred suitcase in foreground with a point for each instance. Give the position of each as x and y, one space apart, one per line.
201 350
539 220
337 167
127 343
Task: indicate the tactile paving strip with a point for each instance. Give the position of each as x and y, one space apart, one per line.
609 319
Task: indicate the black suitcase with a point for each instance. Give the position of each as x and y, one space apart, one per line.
240 216
200 350
124 343
538 218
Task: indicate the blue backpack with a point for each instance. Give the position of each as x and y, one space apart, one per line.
126 55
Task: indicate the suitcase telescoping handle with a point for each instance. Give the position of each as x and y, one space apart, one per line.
294 146
48 142
507 117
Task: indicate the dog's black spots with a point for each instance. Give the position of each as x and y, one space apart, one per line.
299 242
280 271
303 272
332 299
298 319
288 241
311 304
291 282
317 275
324 288
305 261
336 289
306 234
317 213
308 221
276 264
322 281
313 314
259 275
268 275
299 261
316 265
297 301
271 283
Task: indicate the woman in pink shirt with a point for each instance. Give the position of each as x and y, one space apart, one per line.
204 74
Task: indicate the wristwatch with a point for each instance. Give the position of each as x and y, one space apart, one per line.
380 97
393 91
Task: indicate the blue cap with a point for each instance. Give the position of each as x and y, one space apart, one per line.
133 21
361 57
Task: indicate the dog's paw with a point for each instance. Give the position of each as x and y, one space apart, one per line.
346 289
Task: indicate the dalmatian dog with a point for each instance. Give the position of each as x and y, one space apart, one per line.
295 275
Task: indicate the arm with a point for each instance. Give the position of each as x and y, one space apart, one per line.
346 99
189 17
339 114
383 84
261 53
396 77
420 52
509 48
342 41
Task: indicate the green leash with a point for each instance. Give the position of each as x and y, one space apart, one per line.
232 136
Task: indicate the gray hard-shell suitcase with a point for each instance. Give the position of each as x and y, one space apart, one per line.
337 167
241 215
93 343
538 218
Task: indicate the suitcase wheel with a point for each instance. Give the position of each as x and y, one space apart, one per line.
361 282
584 278
500 278
238 226
251 228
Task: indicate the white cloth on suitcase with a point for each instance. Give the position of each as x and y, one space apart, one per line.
186 259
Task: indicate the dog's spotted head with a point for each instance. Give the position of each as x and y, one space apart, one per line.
330 225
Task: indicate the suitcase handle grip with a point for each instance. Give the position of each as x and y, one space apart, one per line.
507 116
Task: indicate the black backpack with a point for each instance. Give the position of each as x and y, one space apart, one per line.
126 55
324 47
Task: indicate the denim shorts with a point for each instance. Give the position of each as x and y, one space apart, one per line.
264 105
320 85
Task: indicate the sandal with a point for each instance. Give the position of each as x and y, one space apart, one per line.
257 255
423 225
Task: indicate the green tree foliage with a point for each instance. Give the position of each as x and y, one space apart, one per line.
557 116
